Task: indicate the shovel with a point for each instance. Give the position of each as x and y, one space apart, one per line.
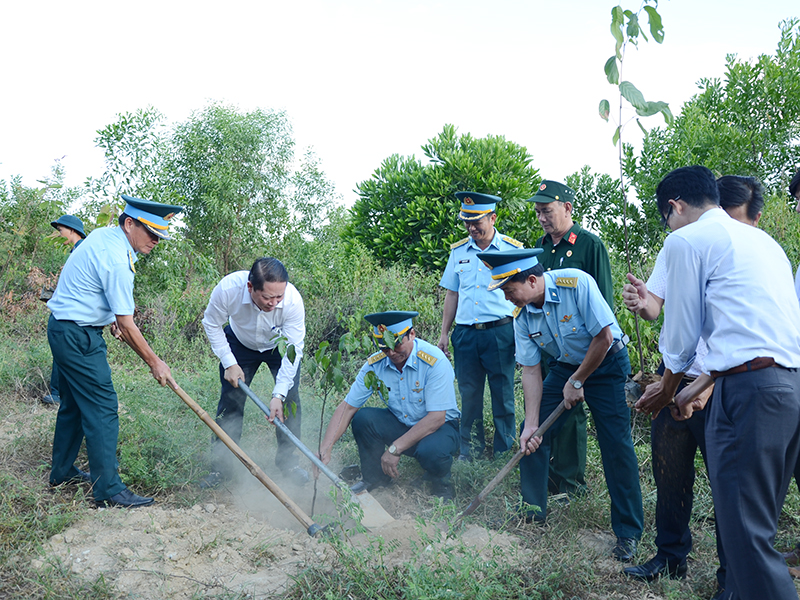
509 465
311 527
374 514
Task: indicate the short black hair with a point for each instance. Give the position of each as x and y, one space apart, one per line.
736 190
536 270
122 218
267 270
695 185
794 186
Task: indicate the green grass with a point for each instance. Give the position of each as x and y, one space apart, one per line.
163 450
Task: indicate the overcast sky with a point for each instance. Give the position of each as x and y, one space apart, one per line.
359 79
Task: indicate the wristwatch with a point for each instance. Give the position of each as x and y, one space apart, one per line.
393 450
575 383
280 397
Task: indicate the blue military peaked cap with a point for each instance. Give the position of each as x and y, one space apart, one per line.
550 191
475 206
505 265
70 221
153 215
396 321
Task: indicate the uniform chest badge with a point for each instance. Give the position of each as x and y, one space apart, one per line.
572 237
566 319
535 335
569 253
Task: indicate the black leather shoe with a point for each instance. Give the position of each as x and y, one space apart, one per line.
367 486
624 549
656 567
211 480
297 475
443 490
125 499
81 477
51 399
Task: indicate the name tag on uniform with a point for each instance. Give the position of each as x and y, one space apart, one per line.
535 335
463 261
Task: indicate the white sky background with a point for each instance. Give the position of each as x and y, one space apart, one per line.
359 79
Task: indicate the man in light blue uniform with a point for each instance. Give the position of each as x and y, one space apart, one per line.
96 289
565 316
421 414
483 340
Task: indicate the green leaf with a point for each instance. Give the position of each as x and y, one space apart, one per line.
633 26
632 95
639 123
291 353
617 20
656 28
612 71
605 110
651 108
615 139
370 379
667 115
338 380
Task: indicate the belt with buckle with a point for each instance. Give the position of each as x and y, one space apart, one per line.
490 324
618 345
760 362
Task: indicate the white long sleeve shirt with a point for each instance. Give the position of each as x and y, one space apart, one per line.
258 330
732 284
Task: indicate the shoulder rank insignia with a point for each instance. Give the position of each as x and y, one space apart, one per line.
566 319
130 261
376 357
572 237
425 357
512 241
516 312
570 282
459 243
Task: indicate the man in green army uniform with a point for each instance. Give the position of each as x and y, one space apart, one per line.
567 245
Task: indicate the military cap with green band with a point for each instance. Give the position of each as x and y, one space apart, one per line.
153 215
504 265
475 206
552 191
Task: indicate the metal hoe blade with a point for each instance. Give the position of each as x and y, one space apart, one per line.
374 514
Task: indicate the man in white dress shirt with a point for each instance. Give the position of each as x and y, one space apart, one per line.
261 307
732 284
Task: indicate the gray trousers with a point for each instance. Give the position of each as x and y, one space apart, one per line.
752 441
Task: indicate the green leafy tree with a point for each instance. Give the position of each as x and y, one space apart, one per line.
748 123
406 211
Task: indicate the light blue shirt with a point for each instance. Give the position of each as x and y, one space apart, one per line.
466 274
573 313
732 284
96 283
421 388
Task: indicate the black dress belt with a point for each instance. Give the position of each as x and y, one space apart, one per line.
490 324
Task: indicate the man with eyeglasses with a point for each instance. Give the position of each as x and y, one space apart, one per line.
95 289
567 245
260 307
483 338
420 418
731 284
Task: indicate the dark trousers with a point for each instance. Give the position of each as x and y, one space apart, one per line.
481 355
230 411
674 445
376 428
568 452
604 393
54 379
752 442
88 407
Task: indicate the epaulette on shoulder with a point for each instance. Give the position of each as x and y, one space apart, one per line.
459 243
130 261
516 312
376 357
568 282
512 241
425 357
